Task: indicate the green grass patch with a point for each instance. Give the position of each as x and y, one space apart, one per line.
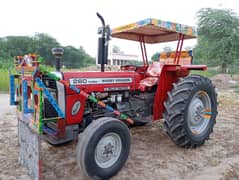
208 73
4 80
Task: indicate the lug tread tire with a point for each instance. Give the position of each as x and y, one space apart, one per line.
176 106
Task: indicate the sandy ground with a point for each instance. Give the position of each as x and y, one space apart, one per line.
153 155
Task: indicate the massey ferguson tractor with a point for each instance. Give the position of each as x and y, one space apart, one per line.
98 108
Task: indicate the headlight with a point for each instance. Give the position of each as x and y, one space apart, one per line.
75 108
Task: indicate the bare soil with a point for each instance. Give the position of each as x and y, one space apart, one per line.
153 155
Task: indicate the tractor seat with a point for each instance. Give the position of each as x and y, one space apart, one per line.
152 76
154 69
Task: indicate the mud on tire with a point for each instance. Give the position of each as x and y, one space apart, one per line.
191 110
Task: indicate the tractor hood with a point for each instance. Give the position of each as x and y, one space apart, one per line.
103 81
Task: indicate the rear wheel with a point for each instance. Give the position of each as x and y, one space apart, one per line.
191 111
103 147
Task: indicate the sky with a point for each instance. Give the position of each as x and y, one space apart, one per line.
74 22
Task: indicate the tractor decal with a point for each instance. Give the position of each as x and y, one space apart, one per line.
80 81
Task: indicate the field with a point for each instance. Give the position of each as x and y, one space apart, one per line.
153 155
4 80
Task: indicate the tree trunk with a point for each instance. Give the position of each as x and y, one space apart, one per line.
224 68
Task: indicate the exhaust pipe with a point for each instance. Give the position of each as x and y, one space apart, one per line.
57 53
103 42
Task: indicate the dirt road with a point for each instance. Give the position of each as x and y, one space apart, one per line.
153 155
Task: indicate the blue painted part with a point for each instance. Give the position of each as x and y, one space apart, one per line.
109 108
49 131
168 25
24 94
26 110
144 22
35 92
12 90
50 98
74 88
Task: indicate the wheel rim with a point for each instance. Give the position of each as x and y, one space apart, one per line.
108 150
199 113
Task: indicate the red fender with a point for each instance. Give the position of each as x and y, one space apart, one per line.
169 75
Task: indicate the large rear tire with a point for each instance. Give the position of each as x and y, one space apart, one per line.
103 148
191 111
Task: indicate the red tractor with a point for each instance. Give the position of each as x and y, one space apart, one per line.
101 106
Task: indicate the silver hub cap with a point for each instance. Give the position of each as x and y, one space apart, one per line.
199 112
108 150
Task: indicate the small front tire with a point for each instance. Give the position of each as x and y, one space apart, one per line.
103 147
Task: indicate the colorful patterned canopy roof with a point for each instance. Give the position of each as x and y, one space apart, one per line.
154 31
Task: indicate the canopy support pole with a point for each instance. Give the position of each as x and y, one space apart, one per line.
143 50
178 49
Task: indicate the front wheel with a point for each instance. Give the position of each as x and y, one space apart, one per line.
191 111
103 147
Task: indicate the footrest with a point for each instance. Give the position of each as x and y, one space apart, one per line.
49 131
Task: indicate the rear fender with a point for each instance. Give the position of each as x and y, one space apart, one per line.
169 75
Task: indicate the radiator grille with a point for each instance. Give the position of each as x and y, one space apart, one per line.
49 83
49 111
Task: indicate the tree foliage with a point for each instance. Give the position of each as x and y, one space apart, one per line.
155 56
42 44
218 40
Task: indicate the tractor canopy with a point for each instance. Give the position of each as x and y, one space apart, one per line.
154 31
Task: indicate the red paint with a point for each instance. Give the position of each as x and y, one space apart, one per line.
70 101
61 126
136 77
169 75
178 49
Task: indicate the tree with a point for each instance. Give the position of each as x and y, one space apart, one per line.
41 44
155 56
218 41
74 57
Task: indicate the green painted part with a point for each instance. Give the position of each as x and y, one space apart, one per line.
40 114
123 116
43 70
93 99
40 59
20 106
52 76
